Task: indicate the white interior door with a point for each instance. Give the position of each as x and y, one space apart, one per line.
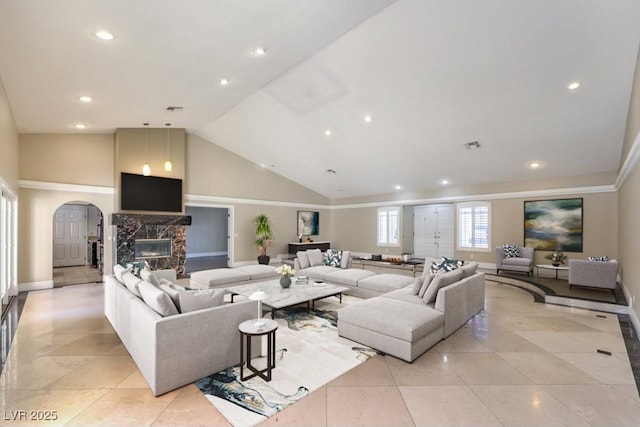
70 236
433 231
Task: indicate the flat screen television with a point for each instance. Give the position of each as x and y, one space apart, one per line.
150 193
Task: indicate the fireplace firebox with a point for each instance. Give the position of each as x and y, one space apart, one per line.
152 248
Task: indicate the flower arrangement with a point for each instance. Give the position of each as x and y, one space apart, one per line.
556 257
286 270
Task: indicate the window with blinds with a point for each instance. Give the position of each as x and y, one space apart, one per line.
474 223
389 226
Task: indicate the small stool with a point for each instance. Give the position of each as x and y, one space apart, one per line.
257 328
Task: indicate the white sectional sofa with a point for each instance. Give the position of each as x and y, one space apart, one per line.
404 324
178 349
222 277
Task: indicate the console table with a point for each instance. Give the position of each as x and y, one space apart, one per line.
303 246
411 269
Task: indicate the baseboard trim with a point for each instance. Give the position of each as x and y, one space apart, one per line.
35 286
206 254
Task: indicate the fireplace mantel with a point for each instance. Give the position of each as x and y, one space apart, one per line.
149 219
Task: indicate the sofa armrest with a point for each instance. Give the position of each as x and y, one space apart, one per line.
460 301
167 274
178 350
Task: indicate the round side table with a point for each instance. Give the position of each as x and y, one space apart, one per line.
257 328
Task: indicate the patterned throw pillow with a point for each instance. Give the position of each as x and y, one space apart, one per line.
598 258
446 264
332 257
511 251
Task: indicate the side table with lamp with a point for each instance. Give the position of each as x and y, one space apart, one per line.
257 328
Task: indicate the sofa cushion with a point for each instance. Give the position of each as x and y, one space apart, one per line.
385 282
131 281
332 258
404 294
201 299
523 262
349 277
317 272
303 259
410 321
148 276
440 281
315 257
220 276
157 299
344 262
511 251
417 284
259 271
469 269
119 271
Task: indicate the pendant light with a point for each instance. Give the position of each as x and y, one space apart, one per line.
146 169
167 165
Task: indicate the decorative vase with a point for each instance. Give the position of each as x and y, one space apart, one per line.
555 264
285 281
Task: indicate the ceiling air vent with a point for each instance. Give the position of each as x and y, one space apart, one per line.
472 144
173 108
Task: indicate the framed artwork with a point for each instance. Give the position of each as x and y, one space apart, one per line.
308 223
553 224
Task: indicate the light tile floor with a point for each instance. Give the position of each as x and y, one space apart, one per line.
517 363
63 276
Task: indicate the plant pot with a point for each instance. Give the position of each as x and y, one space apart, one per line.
285 281
555 264
264 259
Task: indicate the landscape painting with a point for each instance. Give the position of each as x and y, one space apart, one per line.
308 223
553 224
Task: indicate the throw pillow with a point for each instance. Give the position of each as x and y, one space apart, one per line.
315 257
469 269
174 294
417 284
425 285
440 281
157 300
148 276
344 262
119 270
598 258
303 259
445 264
511 251
201 299
132 282
332 257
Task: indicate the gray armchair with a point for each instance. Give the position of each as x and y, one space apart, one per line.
522 264
594 274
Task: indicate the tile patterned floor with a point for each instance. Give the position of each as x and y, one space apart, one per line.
517 363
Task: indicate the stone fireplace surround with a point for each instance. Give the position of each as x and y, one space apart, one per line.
130 227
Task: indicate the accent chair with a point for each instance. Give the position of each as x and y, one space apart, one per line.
521 264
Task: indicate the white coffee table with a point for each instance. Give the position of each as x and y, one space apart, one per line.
551 267
279 297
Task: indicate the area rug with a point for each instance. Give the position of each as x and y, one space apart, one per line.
309 354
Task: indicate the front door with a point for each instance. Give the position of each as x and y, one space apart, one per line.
69 236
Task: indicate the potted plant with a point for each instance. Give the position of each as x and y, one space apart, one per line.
556 257
264 235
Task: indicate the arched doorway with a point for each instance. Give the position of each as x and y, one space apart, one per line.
78 236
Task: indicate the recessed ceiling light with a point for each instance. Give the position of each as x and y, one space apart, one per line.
445 181
535 164
398 187
85 98
258 51
368 118
224 82
331 171
328 132
80 126
104 35
573 85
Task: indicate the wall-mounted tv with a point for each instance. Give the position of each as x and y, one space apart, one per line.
150 193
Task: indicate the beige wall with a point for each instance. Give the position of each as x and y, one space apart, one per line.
355 229
85 159
132 151
629 202
35 230
8 144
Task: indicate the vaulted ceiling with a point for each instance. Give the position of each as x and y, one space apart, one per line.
385 93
